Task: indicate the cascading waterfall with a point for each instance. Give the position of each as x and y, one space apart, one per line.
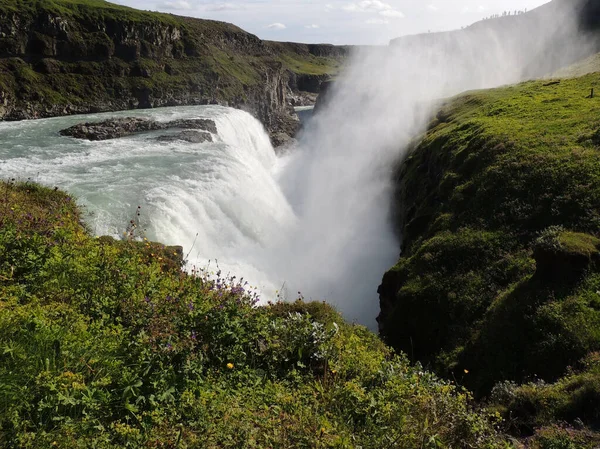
292 224
315 220
219 200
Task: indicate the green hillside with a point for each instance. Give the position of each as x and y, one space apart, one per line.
499 279
109 344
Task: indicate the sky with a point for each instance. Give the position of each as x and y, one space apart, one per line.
356 22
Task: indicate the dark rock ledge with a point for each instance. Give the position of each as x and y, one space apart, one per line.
188 135
122 127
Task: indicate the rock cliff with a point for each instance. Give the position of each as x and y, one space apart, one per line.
65 57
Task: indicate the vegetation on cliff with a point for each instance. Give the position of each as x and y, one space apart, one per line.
61 57
499 279
110 344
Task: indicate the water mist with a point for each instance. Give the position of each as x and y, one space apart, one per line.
340 182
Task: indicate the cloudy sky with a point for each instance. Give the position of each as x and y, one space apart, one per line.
338 21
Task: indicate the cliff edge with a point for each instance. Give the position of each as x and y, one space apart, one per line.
60 57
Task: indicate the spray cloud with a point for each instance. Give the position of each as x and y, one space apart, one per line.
340 183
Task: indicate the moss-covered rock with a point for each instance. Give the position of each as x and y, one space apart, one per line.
565 256
499 208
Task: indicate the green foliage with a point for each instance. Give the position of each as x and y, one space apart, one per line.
108 344
501 198
539 405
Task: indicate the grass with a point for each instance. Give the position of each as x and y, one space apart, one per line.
536 405
108 344
499 276
85 9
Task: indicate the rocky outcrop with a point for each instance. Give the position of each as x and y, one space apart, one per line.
58 58
307 83
564 257
117 128
189 136
324 96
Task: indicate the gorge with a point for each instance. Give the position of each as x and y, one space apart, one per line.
437 155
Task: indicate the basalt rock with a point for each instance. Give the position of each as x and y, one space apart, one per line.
122 127
190 136
325 95
196 123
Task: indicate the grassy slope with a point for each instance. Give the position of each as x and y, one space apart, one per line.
109 344
298 59
499 275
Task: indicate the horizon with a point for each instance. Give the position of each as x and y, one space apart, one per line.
338 22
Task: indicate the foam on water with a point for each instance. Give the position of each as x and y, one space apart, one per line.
219 200
289 223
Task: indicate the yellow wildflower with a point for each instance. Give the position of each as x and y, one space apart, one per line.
230 366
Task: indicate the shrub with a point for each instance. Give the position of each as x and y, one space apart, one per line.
103 345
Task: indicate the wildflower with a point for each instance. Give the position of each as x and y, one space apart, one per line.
230 366
466 371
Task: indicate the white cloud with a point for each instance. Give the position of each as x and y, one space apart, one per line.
432 8
367 6
374 7
176 4
276 26
345 18
392 13
311 27
224 7
377 21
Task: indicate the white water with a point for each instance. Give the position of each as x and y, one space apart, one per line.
233 200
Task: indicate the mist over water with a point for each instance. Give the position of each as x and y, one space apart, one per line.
315 220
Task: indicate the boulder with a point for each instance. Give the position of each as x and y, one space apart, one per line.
122 127
190 136
563 256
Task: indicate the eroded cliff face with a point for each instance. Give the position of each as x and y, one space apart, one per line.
66 59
